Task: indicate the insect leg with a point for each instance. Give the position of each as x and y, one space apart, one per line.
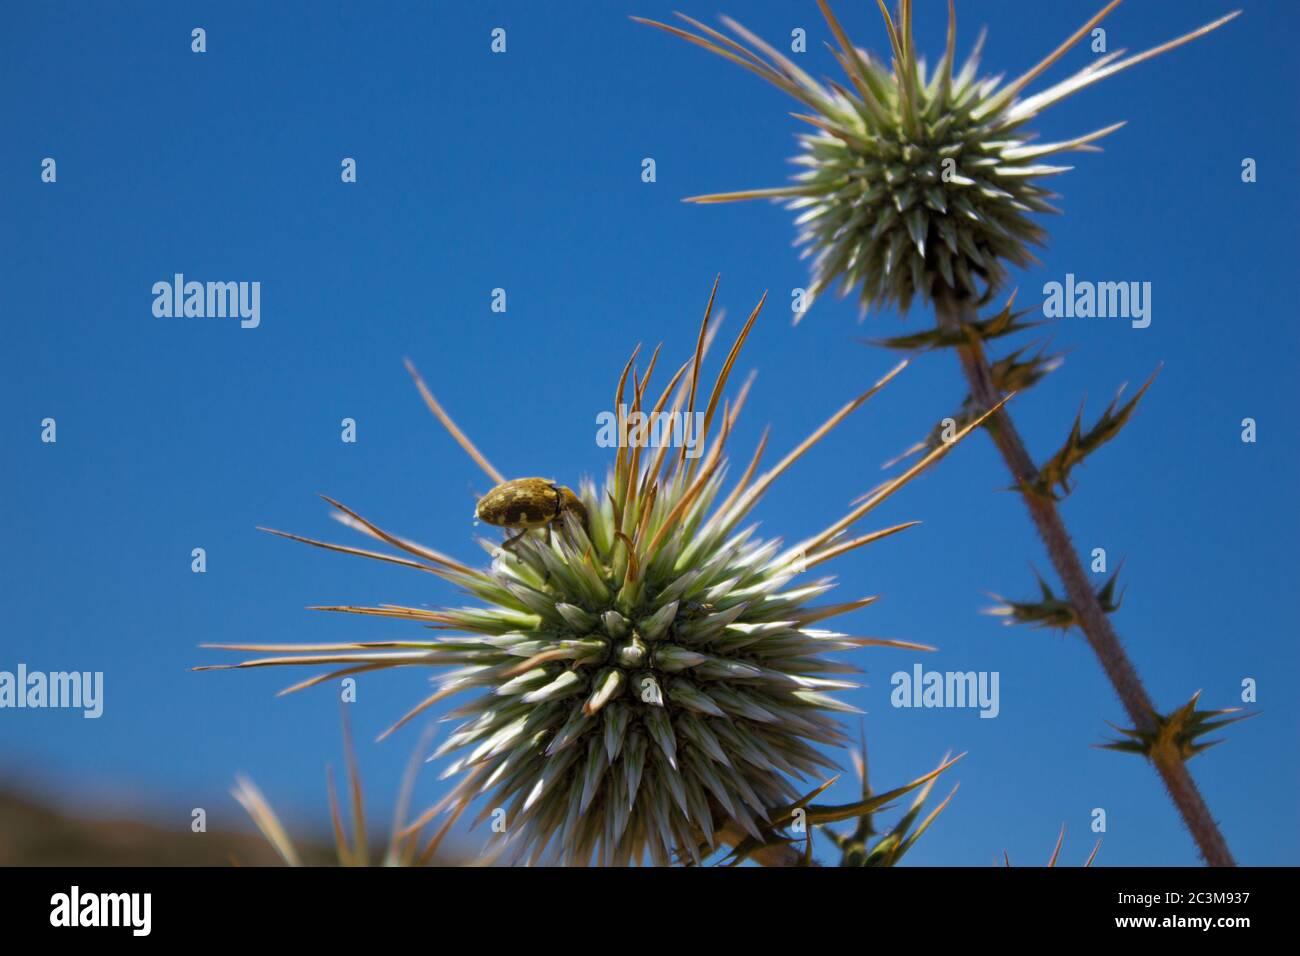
547 576
508 545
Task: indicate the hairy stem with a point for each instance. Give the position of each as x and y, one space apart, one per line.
1093 620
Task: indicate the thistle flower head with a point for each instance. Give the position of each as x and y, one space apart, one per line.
916 182
650 682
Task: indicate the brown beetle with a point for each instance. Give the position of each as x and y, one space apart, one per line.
527 503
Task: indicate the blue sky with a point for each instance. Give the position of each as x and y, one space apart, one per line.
522 171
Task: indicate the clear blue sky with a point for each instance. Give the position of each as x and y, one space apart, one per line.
522 171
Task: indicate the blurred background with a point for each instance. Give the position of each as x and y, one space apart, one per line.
522 171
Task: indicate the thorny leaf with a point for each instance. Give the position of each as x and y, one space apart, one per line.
1056 852
821 814
1055 472
1178 732
1050 610
856 848
1004 323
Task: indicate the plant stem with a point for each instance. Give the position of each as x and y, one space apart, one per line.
953 312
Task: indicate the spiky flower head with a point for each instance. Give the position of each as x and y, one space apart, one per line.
648 685
916 182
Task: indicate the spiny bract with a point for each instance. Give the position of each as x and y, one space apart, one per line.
403 846
915 183
649 685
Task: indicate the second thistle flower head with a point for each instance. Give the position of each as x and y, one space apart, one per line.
916 182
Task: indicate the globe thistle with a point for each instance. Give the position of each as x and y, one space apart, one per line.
650 683
915 181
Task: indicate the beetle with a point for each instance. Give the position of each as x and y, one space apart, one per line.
528 503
